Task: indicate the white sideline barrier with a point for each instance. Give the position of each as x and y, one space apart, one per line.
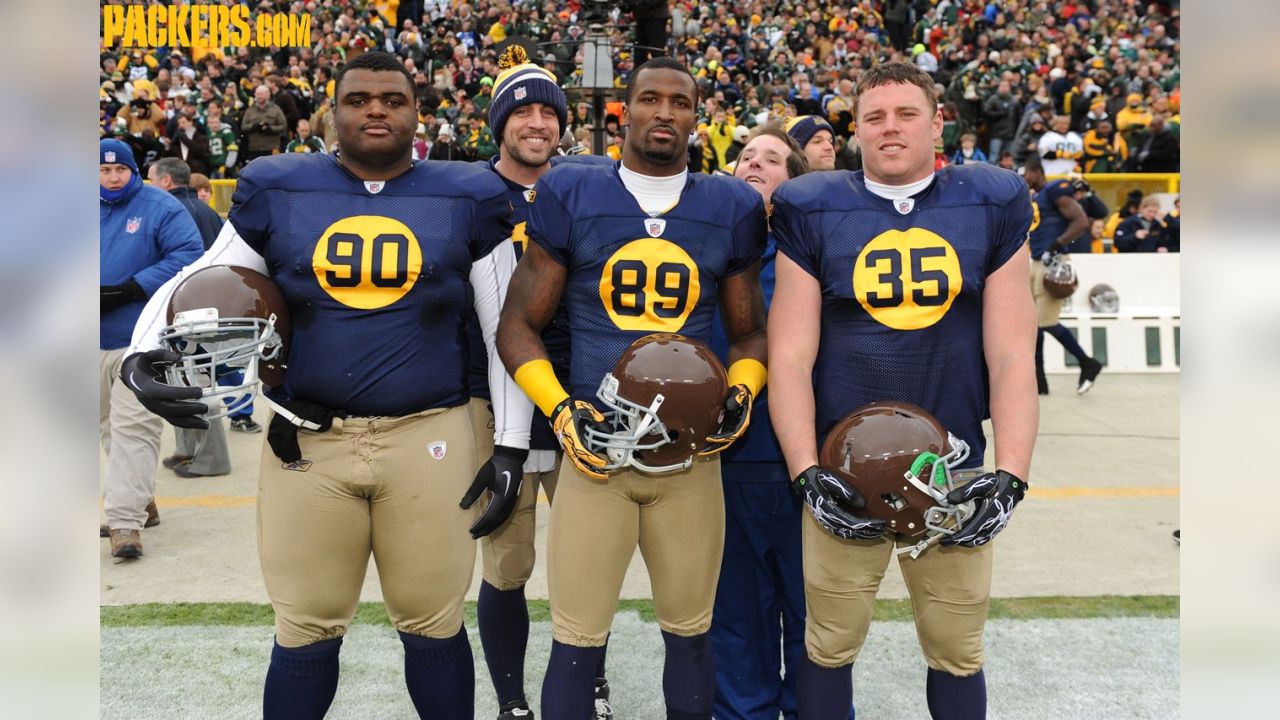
1143 336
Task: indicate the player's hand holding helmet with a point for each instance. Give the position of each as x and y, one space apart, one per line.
995 495
220 318
144 374
666 400
900 458
502 477
834 504
737 417
571 421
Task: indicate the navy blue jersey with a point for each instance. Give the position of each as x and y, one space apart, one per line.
376 275
631 274
902 287
555 336
1051 223
758 443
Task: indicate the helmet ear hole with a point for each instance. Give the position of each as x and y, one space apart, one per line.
894 501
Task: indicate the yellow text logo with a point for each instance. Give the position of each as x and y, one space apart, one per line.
367 261
211 26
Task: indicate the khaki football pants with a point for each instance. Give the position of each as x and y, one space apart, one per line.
507 554
1048 307
676 519
949 587
386 486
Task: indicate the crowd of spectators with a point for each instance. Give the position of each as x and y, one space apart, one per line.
1086 85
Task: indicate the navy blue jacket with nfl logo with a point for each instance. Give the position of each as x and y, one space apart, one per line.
378 276
902 291
631 274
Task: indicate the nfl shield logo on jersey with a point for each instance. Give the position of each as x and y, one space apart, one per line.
132 225
905 205
374 187
437 450
655 227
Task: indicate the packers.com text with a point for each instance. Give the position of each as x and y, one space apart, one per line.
201 26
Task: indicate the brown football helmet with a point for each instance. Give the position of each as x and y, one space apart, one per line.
900 458
227 317
1060 279
664 397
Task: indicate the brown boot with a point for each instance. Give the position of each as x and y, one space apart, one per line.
175 460
153 519
126 543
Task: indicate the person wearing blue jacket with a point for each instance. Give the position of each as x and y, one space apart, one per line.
146 237
757 631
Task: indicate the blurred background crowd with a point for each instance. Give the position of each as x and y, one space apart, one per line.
1088 86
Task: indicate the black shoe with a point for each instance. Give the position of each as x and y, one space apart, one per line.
245 425
1089 369
515 710
1177 536
184 471
604 711
175 460
1042 382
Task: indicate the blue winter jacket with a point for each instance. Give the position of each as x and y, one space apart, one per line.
146 235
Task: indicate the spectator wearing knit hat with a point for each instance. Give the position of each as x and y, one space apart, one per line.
816 138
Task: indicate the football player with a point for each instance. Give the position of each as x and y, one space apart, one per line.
1062 219
899 282
526 114
370 446
635 248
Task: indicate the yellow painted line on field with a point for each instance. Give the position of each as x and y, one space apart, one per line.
206 501
1040 493
1071 493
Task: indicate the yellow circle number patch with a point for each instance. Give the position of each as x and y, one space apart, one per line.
649 284
907 279
367 261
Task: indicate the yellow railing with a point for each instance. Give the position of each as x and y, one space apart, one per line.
1111 187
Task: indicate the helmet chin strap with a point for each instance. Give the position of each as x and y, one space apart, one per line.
944 518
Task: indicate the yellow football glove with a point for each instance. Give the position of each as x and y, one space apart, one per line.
737 417
569 420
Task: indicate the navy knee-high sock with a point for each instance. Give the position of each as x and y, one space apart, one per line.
440 676
603 655
301 681
569 687
823 693
1064 336
503 617
956 698
1040 348
689 676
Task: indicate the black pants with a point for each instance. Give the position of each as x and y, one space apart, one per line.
651 32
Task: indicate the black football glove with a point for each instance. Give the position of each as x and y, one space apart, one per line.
282 433
737 416
569 421
502 476
833 505
996 495
114 296
143 373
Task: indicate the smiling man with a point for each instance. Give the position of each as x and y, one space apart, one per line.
526 113
370 445
636 248
905 284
